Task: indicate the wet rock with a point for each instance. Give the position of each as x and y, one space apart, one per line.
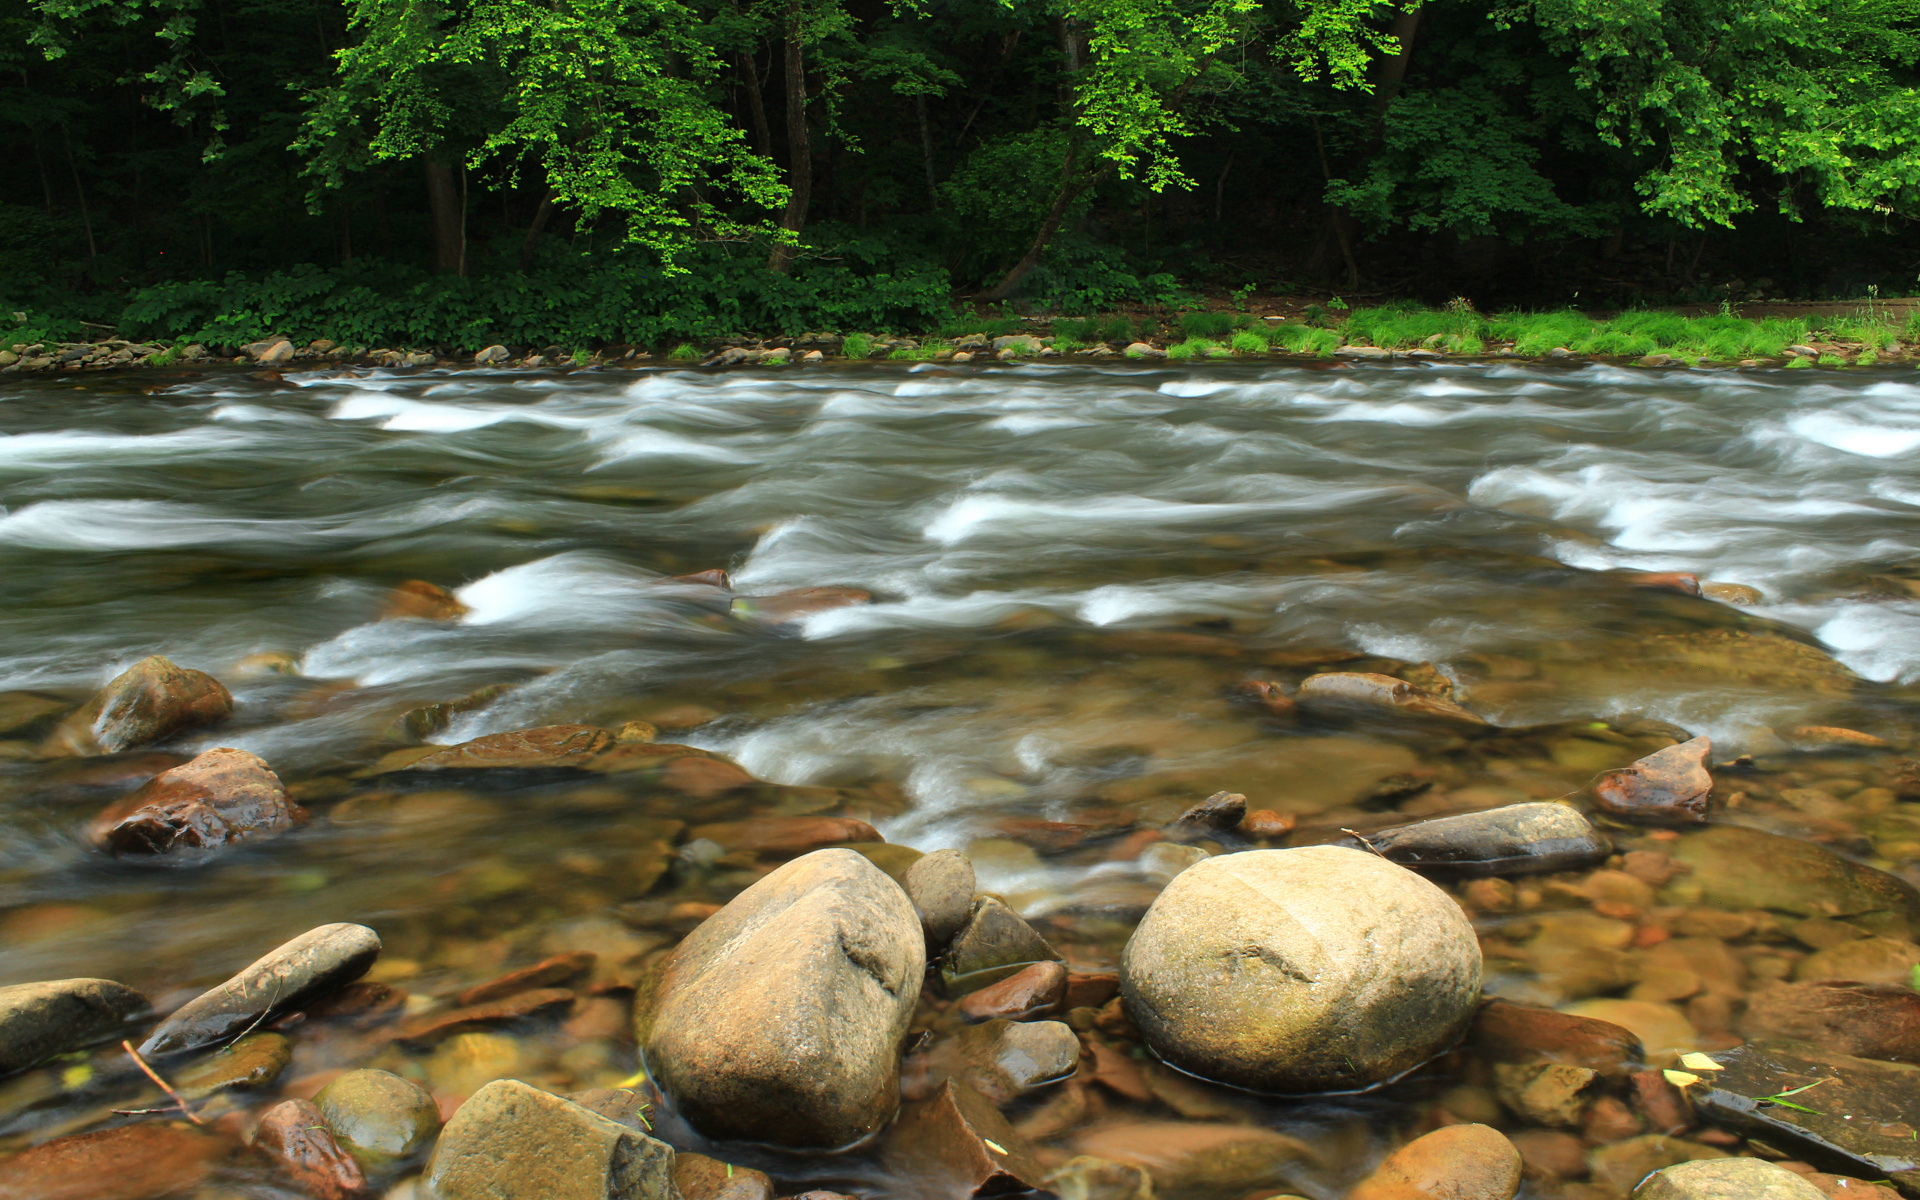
1668 581
1863 960
306 967
956 1144
252 1062
1189 1160
1545 1154
1163 860
432 1026
785 835
1505 1032
220 797
1737 868
1726 1179
154 1160
789 607
1460 1162
1832 737
1619 1167
1268 695
940 885
1664 1106
547 746
491 355
1663 1030
378 1117
40 1020
1858 1117
1084 1177
510 1141
701 1178
1668 787
549 972
1301 970
780 1018
1861 1019
148 702
1362 690
428 601
294 1135
1033 990
1090 989
1003 1059
1263 825
1519 839
1217 813
1732 593
1551 1094
993 937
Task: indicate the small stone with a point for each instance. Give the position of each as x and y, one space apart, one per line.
1551 1094
1004 1060
1266 825
1362 352
788 836
148 702
1218 812
306 967
1519 839
491 355
432 1026
41 1020
254 1061
1683 582
993 937
294 1135
1362 691
941 887
1726 1179
275 353
701 1178
636 731
427 601
1669 787
510 1141
1505 1032
1460 1162
1833 737
956 1144
1619 1167
1732 593
267 664
147 1161
549 972
1035 989
378 1117
1189 1160
220 797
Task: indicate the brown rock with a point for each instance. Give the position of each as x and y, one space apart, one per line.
1661 1103
701 1178
704 777
993 937
1220 811
1547 1154
941 887
306 1152
1460 1162
1863 960
786 835
418 598
1267 825
1269 696
148 702
1086 990
430 1027
547 746
1865 1020
1552 1094
148 1161
287 976
1036 989
1622 1165
551 972
1522 1033
1193 1159
1669 581
1668 787
1003 1060
788 607
1357 689
956 1144
220 797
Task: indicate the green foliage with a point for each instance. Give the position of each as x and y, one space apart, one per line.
1305 339
1089 330
1249 342
684 352
1831 360
1210 324
856 345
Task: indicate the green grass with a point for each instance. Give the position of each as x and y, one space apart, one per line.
165 358
1247 341
1304 339
1094 330
857 345
1831 360
684 352
992 327
1799 363
1197 347
1637 334
926 351
1211 324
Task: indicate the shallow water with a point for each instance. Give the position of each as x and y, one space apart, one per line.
1071 569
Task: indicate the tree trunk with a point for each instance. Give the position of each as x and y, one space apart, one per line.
1070 190
799 152
1390 73
86 219
540 216
926 151
757 106
443 200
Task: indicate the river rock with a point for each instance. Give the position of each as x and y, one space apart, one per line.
429 1027
148 1161
1726 1179
956 1144
1364 690
780 1018
701 1178
294 1135
1866 1020
1519 839
1505 1032
1738 868
548 972
994 937
1460 1162
941 887
1189 1160
148 702
1662 1029
1545 1093
785 835
1004 1060
1301 970
220 797
1032 990
787 608
40 1020
1620 1166
380 1118
1084 1177
547 746
1668 787
254 1061
1863 960
1211 817
427 601
510 1141
313 963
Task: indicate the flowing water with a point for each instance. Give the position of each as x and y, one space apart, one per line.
1072 569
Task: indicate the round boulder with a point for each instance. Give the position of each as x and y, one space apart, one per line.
1308 970
1726 1179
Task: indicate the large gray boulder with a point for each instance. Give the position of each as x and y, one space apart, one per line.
1308 970
40 1020
780 1018
510 1141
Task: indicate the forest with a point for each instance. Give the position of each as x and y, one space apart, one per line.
637 170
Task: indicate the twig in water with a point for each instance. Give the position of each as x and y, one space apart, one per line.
178 1100
1357 836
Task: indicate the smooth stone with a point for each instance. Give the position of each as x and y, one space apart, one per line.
1620 1166
148 702
1551 1094
1189 1160
1519 839
146 1161
1303 970
701 1178
1865 960
1214 815
956 1145
41 1020
1033 990
1668 787
1460 1162
786 608
510 1141
1737 868
219 797
547 746
941 887
1732 593
287 976
380 1118
1662 1029
785 835
1862 1114
780 1018
254 1061
1084 1177
430 1027
1505 1032
1865 1020
1004 1060
994 936
306 1152
1726 1179
548 972
427 601
1366 690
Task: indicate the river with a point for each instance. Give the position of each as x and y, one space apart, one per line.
1071 569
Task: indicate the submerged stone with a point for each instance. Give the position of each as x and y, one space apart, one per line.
41 1020
1365 690
147 1161
148 702
380 1118
1519 839
957 1145
994 937
547 746
1866 1020
1738 868
313 963
293 1134
1669 787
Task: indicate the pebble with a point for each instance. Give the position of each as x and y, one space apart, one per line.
1460 1162
254 1061
295 1136
1365 690
941 887
426 601
378 1117
1668 787
313 963
510 1141
41 1020
1034 989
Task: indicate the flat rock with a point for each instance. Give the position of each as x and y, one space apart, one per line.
547 746
1303 970
1668 787
1726 1179
1003 1060
1519 839
148 1161
1738 868
304 968
220 797
510 1141
148 702
1866 1020
1033 989
293 1134
941 887
254 1061
1189 1160
427 601
378 1117
701 1178
993 938
785 608
1460 1162
956 1144
786 835
1209 818
780 1018
1505 1032
41 1020
548 972
432 1026
1363 690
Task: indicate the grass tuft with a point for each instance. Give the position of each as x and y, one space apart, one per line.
856 345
